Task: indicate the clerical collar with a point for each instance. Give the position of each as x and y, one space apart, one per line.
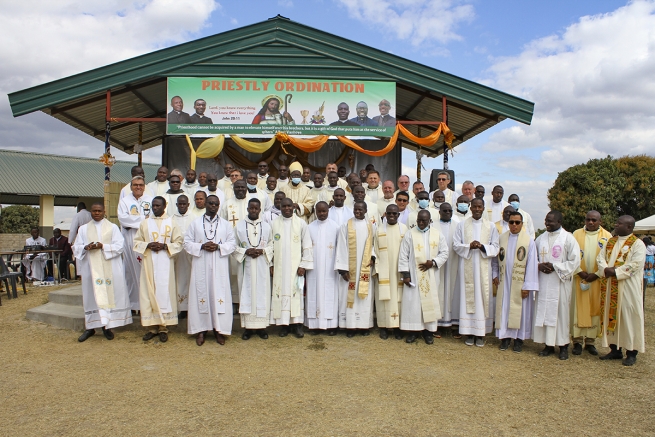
200 116
210 219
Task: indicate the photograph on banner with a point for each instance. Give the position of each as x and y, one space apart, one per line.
256 107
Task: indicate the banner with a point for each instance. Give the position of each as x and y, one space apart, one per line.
262 107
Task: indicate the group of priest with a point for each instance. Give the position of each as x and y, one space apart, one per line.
293 251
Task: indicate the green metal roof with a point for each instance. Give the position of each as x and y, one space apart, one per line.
277 47
65 177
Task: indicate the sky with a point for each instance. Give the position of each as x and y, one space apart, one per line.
587 65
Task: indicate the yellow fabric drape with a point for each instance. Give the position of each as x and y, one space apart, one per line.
252 147
431 139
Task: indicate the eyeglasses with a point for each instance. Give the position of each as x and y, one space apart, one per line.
402 200
514 222
442 179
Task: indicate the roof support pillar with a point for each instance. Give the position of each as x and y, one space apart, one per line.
444 112
46 215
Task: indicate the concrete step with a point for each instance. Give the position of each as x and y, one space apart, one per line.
61 316
67 296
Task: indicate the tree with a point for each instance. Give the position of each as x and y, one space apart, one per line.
613 187
18 219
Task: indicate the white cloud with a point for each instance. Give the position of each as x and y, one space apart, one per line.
418 21
593 88
46 40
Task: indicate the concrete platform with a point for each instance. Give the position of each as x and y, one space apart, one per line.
64 309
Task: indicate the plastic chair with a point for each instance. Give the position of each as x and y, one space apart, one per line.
7 275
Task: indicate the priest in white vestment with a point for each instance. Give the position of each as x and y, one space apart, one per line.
585 296
448 290
372 214
355 261
339 213
423 204
225 183
254 192
496 206
158 240
515 202
127 189
98 248
476 243
374 187
174 191
402 202
274 212
319 194
389 285
423 252
387 198
132 210
159 186
450 196
322 307
254 253
262 175
621 264
516 275
292 257
35 262
212 188
270 188
210 241
559 258
298 193
182 219
191 185
233 210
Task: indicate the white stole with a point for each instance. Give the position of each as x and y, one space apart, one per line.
101 268
547 316
160 262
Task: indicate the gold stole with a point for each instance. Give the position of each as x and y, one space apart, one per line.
365 271
384 287
518 277
588 302
499 227
469 287
427 305
613 314
101 269
296 256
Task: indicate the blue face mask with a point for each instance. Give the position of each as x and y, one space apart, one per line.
463 207
515 205
437 204
251 187
423 203
295 181
427 228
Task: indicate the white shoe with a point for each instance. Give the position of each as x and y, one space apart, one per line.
479 342
469 340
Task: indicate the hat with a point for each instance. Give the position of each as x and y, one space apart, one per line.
295 166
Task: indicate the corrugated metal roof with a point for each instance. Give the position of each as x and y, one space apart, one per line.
24 173
274 48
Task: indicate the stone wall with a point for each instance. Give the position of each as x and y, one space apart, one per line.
12 241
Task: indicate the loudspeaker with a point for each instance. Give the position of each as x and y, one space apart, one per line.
433 179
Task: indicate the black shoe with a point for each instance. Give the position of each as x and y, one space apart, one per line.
504 344
149 336
365 332
613 355
384 334
182 315
518 346
284 331
333 332
548 350
428 337
398 334
411 338
577 349
262 334
314 331
246 335
630 359
350 333
86 334
298 332
163 337
564 352
591 349
107 333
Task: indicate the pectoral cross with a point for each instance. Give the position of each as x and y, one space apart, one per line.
220 301
234 219
394 316
202 301
543 254
255 232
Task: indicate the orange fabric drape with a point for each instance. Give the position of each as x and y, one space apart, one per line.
431 139
308 145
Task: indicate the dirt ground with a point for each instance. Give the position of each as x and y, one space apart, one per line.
51 385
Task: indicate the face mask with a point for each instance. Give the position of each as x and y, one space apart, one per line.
515 205
427 228
251 187
423 203
463 207
437 204
296 181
